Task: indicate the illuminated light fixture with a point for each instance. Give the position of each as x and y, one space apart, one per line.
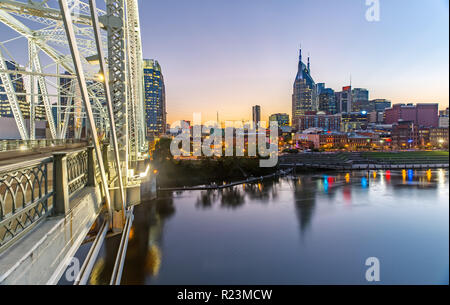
100 77
144 174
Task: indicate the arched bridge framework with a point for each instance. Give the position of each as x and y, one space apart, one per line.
40 79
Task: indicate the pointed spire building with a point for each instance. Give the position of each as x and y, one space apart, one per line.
304 97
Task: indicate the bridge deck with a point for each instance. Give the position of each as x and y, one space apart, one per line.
41 256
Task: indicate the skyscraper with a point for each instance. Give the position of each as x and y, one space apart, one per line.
304 97
154 98
344 99
327 101
381 104
18 85
360 100
256 115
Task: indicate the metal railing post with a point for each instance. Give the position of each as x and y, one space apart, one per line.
60 184
91 181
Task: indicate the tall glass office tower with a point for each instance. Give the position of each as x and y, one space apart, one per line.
304 97
154 99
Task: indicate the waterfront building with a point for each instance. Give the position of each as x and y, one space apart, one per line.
317 138
333 139
439 137
154 98
304 97
424 137
405 134
357 141
423 115
360 100
281 118
256 115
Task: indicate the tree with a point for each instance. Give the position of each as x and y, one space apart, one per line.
162 151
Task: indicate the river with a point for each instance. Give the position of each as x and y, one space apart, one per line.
302 229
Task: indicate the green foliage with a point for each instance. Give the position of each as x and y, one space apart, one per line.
204 171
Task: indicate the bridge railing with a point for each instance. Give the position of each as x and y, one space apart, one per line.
11 145
25 197
31 191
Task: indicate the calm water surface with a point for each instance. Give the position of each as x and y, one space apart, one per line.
304 229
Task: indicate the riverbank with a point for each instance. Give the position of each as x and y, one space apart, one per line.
215 186
366 160
176 173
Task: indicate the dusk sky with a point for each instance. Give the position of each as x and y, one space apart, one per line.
227 55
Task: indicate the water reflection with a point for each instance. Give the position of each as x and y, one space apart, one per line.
222 236
304 198
144 255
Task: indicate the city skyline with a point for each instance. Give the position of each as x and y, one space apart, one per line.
227 67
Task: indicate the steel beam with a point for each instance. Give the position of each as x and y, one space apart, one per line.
12 98
109 103
117 74
67 19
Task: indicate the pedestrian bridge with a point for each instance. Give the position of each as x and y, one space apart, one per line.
82 74
47 208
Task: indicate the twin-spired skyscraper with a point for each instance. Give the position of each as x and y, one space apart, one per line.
154 98
304 97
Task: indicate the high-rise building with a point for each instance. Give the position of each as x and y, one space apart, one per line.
344 100
281 118
327 101
423 115
304 97
256 115
320 87
154 98
360 100
381 104
319 120
18 85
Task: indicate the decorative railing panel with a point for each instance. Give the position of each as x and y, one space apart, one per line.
77 171
25 193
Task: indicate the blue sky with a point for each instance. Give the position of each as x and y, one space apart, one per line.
227 55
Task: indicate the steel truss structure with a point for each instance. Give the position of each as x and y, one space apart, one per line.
39 48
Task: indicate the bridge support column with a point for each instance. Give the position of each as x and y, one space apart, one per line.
60 184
